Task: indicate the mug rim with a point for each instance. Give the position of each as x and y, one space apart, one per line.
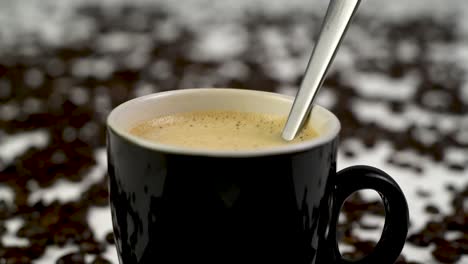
172 149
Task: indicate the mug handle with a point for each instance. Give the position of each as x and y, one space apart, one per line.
395 230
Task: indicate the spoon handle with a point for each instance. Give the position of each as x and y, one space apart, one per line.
339 14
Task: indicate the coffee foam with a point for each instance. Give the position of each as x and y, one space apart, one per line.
219 130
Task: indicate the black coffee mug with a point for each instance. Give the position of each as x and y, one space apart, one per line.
280 205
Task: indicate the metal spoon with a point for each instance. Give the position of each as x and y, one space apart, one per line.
337 19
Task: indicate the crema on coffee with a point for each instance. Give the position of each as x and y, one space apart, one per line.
219 130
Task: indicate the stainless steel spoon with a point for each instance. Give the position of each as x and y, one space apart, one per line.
337 19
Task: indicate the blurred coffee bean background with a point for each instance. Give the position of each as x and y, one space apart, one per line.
399 85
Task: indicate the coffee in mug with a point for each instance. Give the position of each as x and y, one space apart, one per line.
215 202
230 130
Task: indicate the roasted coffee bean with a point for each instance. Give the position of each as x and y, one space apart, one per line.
14 255
5 210
450 188
423 193
98 194
403 165
349 239
456 222
365 246
418 169
353 256
32 231
36 249
435 228
110 238
368 227
100 260
2 229
422 240
16 260
432 209
349 153
456 167
91 247
397 107
72 258
462 244
447 253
